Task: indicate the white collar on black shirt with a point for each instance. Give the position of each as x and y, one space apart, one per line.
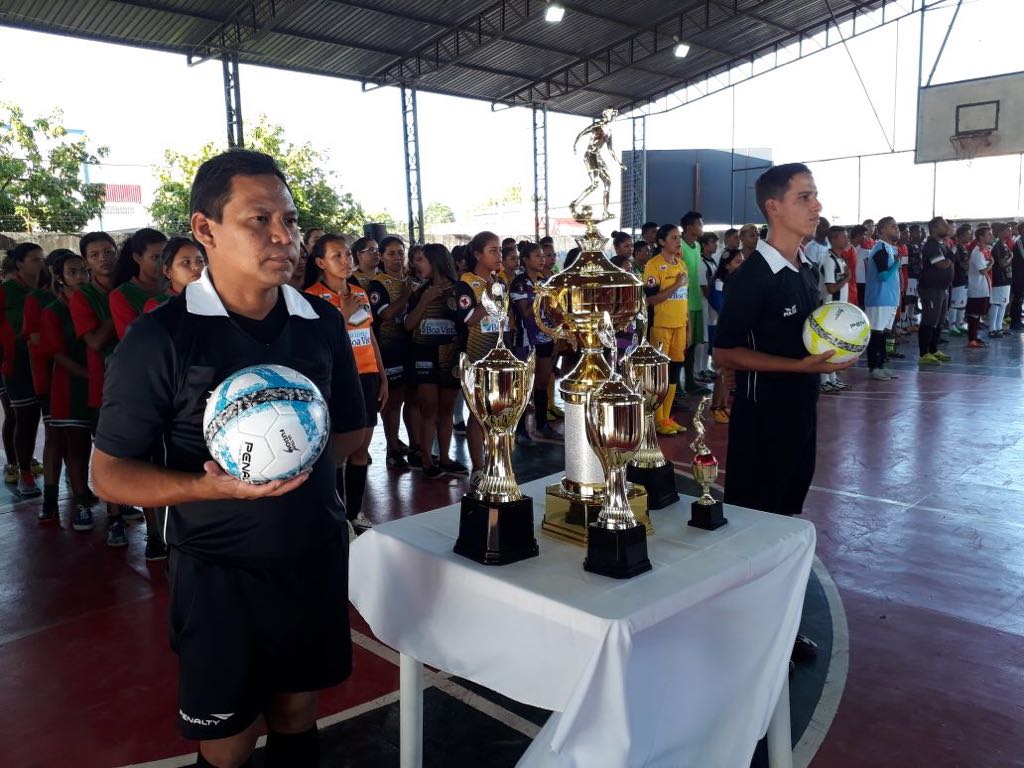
201 299
776 261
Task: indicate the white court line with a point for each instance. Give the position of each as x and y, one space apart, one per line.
835 678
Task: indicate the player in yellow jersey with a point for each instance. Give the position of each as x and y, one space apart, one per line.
666 284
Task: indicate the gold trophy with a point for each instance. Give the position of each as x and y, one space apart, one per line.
646 369
569 306
496 521
616 542
705 512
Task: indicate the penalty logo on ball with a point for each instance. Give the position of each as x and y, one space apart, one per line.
265 423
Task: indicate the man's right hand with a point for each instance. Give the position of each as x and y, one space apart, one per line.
218 484
820 364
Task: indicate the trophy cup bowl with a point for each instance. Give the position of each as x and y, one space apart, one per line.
570 306
646 369
496 520
706 512
616 541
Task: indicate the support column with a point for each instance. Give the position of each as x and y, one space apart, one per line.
540 172
638 178
232 99
413 193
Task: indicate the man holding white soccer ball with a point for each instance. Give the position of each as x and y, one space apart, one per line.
258 571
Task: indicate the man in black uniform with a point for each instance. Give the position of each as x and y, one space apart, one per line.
773 425
935 277
259 573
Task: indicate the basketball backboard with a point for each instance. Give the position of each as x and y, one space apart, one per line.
971 118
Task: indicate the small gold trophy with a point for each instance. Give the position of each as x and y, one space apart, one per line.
496 521
705 512
616 542
646 369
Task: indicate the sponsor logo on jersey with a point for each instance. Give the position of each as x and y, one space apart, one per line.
375 298
652 281
789 311
465 302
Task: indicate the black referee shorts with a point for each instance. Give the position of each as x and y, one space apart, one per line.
771 454
244 633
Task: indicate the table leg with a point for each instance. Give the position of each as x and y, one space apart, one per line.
410 709
780 736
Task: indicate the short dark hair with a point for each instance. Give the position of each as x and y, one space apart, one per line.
690 217
982 230
858 231
211 188
707 237
546 240
933 223
93 237
648 226
836 230
964 229
21 250
731 232
389 240
773 183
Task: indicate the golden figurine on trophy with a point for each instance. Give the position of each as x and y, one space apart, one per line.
600 134
646 369
705 512
616 542
496 521
569 306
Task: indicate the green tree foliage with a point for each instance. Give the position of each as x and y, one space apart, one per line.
318 198
41 184
438 213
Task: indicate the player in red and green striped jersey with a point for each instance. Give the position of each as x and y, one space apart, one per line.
138 277
183 263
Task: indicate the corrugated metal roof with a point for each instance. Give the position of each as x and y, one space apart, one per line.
604 53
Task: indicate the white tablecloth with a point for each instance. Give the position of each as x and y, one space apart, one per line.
677 667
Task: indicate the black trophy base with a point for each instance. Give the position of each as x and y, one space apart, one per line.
659 482
709 517
496 533
619 554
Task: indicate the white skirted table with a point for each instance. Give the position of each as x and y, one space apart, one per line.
685 665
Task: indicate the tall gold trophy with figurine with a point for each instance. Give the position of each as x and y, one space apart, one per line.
570 306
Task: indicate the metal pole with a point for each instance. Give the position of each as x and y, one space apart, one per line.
540 172
232 99
732 166
413 191
945 40
859 182
935 186
920 72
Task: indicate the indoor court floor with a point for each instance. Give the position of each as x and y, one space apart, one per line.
917 601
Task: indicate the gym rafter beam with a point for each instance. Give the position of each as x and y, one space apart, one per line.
248 24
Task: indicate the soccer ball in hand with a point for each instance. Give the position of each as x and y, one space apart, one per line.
265 423
840 326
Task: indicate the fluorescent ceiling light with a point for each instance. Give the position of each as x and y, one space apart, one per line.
554 13
681 50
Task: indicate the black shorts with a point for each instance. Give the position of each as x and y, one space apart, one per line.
370 383
244 633
771 454
436 365
978 306
44 408
397 368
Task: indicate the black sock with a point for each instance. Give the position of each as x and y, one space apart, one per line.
689 382
202 762
50 495
924 339
933 345
540 407
355 486
293 750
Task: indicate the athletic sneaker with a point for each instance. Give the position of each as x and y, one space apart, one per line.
720 415
10 474
942 357
155 549
676 425
415 458
48 515
37 467
459 428
116 534
995 334
362 523
878 374
928 359
131 514
395 460
432 472
81 520
891 373
897 355
27 487
828 388
842 386
454 468
665 428
547 432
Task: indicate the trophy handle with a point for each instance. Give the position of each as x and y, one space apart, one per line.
544 295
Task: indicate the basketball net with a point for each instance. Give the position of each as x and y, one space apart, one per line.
968 146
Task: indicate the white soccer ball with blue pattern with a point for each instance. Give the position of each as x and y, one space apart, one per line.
266 422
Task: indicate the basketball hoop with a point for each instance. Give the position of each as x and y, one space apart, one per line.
967 146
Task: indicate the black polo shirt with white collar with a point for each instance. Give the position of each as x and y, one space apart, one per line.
767 301
156 387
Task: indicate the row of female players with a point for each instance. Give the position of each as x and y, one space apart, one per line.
408 317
